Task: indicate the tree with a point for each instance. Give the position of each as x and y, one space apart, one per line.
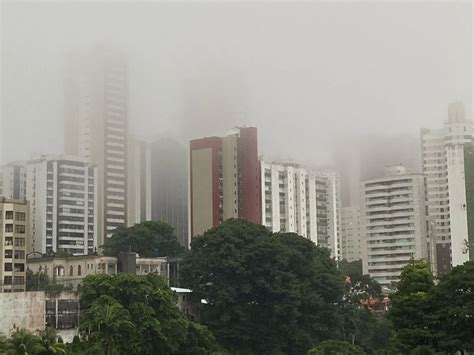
107 321
358 287
265 292
149 304
336 347
452 310
51 342
22 342
148 239
410 308
36 281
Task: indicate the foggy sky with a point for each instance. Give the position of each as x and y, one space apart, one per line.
306 74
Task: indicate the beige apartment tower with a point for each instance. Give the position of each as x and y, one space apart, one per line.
14 234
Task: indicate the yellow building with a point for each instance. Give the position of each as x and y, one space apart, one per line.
14 233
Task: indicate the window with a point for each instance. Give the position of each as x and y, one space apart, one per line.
8 214
8 228
20 216
79 271
71 270
18 280
8 254
7 280
20 229
20 242
8 267
19 254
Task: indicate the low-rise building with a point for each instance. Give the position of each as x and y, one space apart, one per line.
70 270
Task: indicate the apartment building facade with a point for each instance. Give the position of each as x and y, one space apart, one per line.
14 234
443 165
394 223
351 233
13 180
62 192
96 128
295 199
224 179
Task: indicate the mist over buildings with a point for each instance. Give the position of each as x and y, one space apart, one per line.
319 80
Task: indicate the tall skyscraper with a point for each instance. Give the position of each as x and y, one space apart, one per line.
394 223
14 233
13 180
96 129
443 164
295 199
158 184
469 173
224 179
62 193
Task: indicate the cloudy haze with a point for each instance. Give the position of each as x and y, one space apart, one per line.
306 74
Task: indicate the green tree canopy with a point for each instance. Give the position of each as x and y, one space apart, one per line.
410 307
146 302
148 239
23 342
336 347
452 309
265 292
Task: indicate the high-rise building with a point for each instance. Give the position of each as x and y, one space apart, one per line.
96 129
394 223
14 233
364 158
224 179
13 180
295 199
62 192
351 238
158 184
469 179
443 164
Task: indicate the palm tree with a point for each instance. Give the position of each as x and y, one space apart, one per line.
50 342
23 342
106 320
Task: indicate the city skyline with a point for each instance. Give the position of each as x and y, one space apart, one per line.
306 89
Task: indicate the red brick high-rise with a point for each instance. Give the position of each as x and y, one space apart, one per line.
224 179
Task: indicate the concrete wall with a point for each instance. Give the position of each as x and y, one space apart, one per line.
22 310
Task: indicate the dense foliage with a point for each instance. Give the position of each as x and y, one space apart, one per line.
39 281
24 342
265 292
129 314
336 347
148 239
439 317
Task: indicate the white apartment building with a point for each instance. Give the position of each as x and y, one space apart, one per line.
394 223
351 236
443 165
294 199
13 180
62 192
96 129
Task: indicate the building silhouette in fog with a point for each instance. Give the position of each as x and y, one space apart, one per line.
96 112
158 184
